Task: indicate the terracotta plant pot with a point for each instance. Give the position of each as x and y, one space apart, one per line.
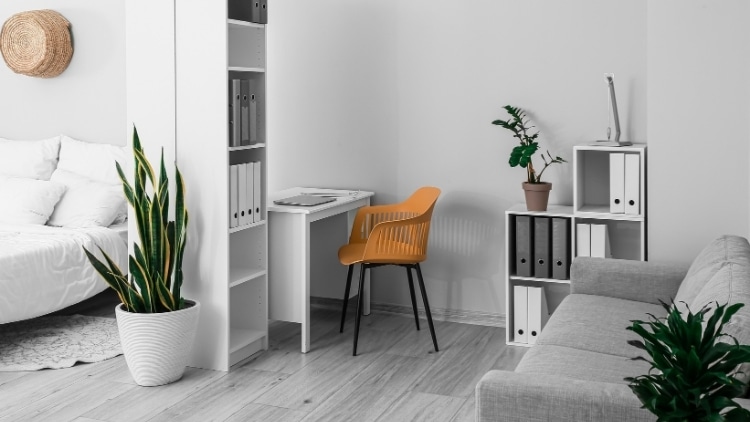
537 195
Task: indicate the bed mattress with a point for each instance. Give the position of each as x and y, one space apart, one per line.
44 269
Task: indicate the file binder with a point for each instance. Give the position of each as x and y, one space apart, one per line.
524 267
560 248
249 191
263 11
240 10
255 13
542 252
600 241
235 124
253 117
583 239
617 183
245 113
257 197
233 196
538 313
242 194
632 184
520 314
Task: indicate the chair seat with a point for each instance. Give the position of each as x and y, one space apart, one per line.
353 253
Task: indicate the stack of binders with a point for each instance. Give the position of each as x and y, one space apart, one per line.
244 194
592 240
243 112
542 247
249 10
530 313
624 183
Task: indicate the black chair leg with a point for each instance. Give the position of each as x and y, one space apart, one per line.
413 296
346 296
359 306
426 306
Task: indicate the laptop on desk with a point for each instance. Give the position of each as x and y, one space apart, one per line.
304 200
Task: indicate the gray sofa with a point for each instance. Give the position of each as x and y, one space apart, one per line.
575 371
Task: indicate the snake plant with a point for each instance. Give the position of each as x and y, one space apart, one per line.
156 266
693 374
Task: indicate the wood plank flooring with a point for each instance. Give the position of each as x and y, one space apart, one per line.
397 376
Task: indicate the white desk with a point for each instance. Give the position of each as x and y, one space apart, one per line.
289 253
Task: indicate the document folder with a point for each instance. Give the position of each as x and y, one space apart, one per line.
538 313
304 200
253 116
245 113
542 252
233 197
255 13
240 10
257 192
560 248
583 239
263 11
523 246
600 241
617 183
242 193
235 124
632 184
250 193
520 314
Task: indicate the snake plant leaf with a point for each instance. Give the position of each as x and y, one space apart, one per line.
165 297
141 278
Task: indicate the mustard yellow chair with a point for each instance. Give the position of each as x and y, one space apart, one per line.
391 235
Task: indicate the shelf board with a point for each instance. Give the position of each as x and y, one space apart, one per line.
237 22
602 212
552 211
246 69
594 146
513 343
241 337
239 275
541 280
246 147
247 226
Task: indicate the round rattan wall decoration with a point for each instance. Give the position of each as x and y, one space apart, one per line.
37 43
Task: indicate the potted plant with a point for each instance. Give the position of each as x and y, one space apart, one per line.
536 191
156 324
693 374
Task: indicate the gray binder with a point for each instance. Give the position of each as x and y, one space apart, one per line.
245 113
560 248
256 11
542 252
523 246
234 113
263 11
241 10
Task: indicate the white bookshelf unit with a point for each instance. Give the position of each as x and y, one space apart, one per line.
592 194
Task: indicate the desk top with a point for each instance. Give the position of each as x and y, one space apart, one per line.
343 197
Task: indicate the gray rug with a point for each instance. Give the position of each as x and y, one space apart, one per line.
57 342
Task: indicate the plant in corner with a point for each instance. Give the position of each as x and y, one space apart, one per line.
156 324
693 375
536 191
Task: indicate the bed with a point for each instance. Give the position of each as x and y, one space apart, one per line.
57 196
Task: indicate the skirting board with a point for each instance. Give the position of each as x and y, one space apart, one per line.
440 314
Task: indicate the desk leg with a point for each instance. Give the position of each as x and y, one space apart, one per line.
366 296
304 277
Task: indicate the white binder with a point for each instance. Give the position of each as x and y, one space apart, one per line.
632 184
600 241
249 189
242 193
583 239
233 197
538 312
257 212
617 183
520 314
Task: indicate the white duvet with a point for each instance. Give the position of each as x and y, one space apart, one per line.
44 269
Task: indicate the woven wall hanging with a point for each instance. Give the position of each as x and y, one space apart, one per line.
37 43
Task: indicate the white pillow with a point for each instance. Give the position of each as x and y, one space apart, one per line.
86 202
28 201
29 159
95 161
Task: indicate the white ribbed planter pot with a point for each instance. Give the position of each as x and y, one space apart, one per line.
157 346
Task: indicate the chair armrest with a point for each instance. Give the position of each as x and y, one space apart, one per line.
512 396
641 281
403 239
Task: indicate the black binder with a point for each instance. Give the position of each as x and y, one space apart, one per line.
542 252
256 11
241 10
263 11
560 248
524 229
235 125
245 113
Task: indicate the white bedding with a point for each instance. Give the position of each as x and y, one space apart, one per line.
44 269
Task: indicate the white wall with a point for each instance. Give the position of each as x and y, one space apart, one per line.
390 97
87 101
698 132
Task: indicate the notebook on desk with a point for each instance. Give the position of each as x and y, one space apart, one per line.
304 200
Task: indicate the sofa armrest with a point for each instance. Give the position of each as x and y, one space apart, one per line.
510 396
641 281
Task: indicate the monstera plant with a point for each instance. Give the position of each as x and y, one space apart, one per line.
694 366
157 325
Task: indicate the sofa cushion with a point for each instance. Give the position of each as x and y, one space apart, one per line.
724 249
580 364
597 324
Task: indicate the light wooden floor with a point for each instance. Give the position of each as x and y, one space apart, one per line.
396 376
